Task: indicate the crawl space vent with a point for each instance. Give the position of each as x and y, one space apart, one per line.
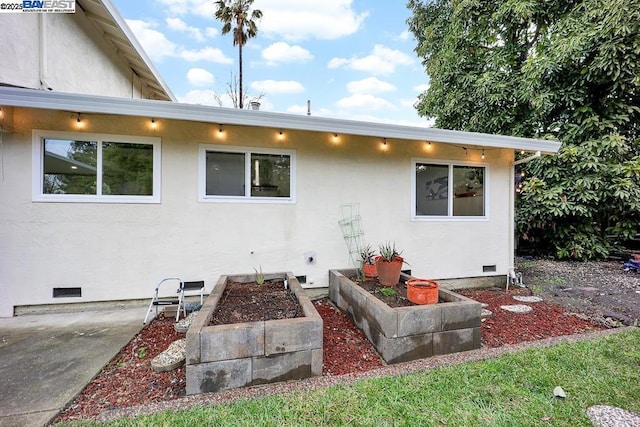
67 292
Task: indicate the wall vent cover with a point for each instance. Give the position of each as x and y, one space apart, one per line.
67 292
488 268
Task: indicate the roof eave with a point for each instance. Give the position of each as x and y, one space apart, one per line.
230 116
120 23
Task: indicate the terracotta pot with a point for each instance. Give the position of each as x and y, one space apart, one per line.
370 270
422 291
389 272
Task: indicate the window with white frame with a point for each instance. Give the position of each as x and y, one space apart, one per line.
449 190
85 167
246 174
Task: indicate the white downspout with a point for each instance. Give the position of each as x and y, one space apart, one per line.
43 52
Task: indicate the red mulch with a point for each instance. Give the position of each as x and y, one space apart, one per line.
546 320
345 348
128 379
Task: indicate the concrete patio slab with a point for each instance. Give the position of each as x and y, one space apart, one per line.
47 359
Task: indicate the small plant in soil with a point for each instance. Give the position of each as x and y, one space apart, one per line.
388 292
259 276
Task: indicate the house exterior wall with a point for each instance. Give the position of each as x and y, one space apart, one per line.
64 53
121 251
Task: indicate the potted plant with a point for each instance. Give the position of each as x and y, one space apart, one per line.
367 258
389 264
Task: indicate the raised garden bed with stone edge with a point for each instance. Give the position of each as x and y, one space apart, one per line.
223 357
402 334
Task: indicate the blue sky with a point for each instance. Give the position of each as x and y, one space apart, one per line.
353 59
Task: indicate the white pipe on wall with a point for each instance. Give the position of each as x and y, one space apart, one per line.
43 51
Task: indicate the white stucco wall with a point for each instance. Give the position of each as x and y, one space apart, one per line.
64 51
120 251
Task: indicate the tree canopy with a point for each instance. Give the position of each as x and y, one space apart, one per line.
566 70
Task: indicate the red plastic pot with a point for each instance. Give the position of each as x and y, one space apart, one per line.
422 291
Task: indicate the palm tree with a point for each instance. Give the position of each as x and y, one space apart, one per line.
234 14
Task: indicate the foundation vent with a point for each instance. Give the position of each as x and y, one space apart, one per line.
488 268
301 279
67 292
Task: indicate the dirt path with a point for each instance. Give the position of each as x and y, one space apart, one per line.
601 290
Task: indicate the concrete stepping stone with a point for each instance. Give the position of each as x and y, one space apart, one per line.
182 326
517 308
486 313
524 298
170 359
610 416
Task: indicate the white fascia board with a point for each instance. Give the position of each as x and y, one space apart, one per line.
231 116
120 22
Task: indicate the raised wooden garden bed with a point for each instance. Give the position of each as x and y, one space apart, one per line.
222 357
407 333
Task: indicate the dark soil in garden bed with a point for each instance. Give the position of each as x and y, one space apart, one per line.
395 296
253 302
128 379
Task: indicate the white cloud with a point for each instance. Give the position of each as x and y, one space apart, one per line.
158 47
211 32
408 103
273 86
281 52
405 35
203 97
381 61
200 77
337 62
155 44
320 19
204 8
205 54
178 24
370 85
422 88
364 102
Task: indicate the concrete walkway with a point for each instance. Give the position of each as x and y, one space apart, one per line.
47 359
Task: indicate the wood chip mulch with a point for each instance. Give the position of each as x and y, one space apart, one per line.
128 379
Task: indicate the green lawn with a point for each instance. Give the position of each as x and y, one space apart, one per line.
511 390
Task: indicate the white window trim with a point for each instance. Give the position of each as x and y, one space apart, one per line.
247 198
37 184
449 218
